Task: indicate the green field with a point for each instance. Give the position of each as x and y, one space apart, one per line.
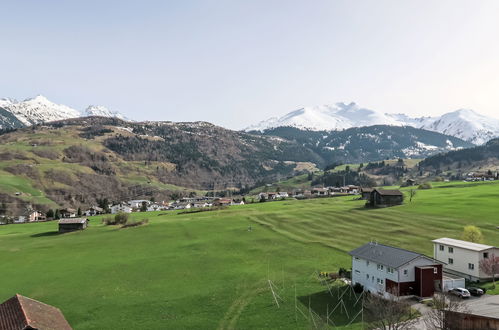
207 271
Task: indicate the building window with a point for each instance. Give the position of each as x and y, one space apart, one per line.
471 266
435 270
381 281
451 261
441 247
451 249
389 270
485 255
377 280
405 271
356 258
357 271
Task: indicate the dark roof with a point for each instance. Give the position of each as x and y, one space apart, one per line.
394 192
367 190
72 220
386 255
20 312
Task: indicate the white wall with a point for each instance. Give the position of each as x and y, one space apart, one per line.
462 257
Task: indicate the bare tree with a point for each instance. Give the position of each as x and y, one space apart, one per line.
412 193
444 305
490 266
389 314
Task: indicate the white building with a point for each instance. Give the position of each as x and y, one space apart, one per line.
388 270
121 208
462 257
137 203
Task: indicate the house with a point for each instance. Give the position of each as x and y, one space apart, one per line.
384 198
366 193
21 312
282 194
137 203
122 207
410 182
463 258
67 213
320 192
72 224
272 195
479 314
155 207
93 210
30 216
222 202
389 270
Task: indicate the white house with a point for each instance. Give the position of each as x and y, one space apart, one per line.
93 210
137 203
388 270
462 257
121 208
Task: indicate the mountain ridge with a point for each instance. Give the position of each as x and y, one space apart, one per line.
465 124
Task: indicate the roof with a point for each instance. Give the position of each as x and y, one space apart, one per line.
463 244
367 189
394 192
386 255
21 312
73 220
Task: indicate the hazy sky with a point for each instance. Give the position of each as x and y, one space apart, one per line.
234 63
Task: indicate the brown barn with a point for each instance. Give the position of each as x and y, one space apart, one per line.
384 198
366 193
72 224
19 313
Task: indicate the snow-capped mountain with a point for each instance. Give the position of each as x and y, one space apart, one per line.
102 111
15 114
464 123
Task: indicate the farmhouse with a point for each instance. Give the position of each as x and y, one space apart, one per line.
21 312
121 208
68 213
462 257
384 198
320 191
93 210
72 224
30 216
388 270
137 203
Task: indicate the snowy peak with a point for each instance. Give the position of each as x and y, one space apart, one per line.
465 124
102 111
39 109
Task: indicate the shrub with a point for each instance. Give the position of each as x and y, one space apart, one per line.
121 218
358 288
108 221
135 223
426 185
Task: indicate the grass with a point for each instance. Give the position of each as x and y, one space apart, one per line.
207 270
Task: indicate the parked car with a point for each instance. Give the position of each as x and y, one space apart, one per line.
475 291
460 292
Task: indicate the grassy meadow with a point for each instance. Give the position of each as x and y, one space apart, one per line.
206 270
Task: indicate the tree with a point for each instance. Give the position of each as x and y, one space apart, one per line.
490 266
472 234
412 193
79 212
57 214
50 214
438 316
392 313
3 209
143 207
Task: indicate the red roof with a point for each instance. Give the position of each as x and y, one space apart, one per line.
19 312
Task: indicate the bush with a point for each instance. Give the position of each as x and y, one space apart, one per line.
119 219
426 185
135 223
358 288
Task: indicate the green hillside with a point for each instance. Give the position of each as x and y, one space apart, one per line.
207 270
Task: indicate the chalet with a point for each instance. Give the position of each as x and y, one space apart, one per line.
366 193
30 216
222 202
389 270
320 191
68 213
463 258
72 224
384 198
272 195
410 182
137 203
93 210
282 194
21 312
122 207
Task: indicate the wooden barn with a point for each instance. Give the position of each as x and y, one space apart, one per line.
72 224
366 193
384 198
21 312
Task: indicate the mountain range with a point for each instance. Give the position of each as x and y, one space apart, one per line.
465 124
32 111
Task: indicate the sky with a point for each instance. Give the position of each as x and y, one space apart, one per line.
234 63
